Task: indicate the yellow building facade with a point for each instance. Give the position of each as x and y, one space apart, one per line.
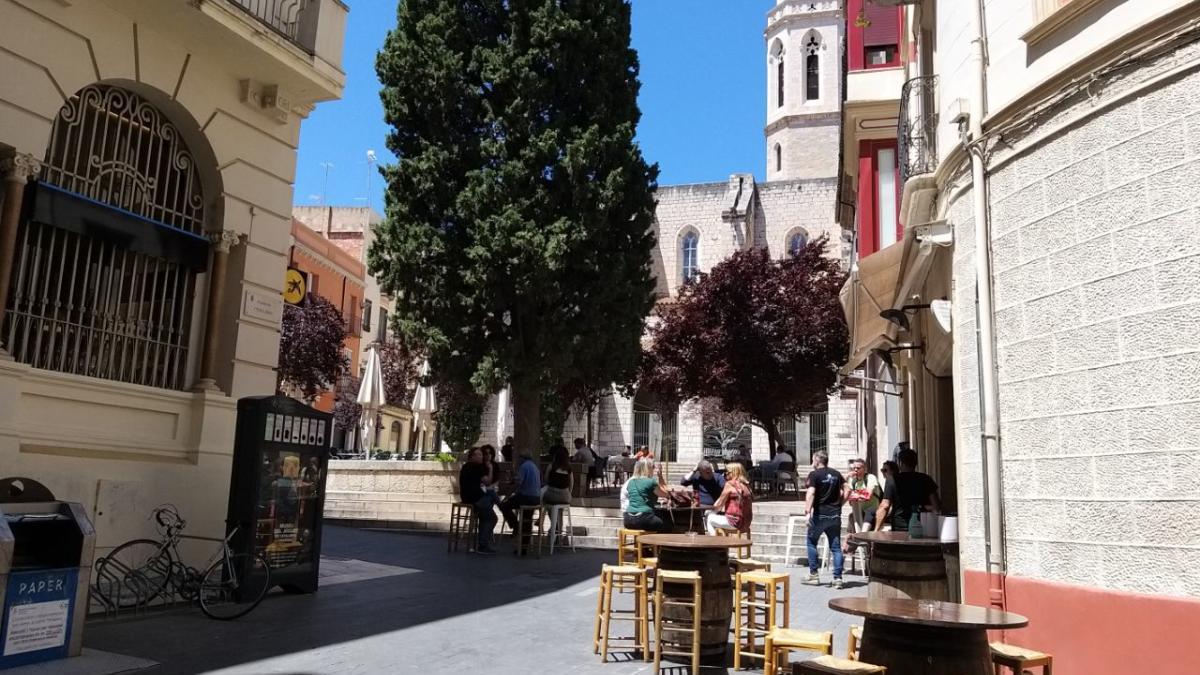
148 152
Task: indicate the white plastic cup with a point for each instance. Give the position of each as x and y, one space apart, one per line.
949 531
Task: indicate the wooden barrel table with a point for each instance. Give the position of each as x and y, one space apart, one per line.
710 557
906 568
926 637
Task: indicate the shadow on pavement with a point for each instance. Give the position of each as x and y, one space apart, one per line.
435 586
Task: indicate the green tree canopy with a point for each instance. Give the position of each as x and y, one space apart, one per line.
518 233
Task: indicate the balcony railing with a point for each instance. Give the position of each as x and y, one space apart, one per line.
916 133
286 17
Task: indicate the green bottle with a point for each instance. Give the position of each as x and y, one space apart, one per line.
915 531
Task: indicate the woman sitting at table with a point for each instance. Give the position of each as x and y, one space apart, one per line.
734 509
643 491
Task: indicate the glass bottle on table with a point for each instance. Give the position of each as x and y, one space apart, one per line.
915 530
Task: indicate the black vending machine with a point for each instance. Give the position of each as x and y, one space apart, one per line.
277 491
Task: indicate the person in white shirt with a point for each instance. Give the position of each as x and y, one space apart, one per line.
583 454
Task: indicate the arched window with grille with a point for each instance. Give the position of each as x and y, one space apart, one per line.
812 66
106 263
689 256
796 241
780 74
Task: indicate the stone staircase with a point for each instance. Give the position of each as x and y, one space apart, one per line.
596 520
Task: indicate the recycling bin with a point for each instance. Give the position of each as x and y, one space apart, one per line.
46 551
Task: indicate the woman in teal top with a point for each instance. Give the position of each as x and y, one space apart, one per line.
643 491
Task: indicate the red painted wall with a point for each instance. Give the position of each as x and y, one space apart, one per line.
1091 631
868 179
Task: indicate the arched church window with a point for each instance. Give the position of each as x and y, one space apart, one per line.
689 259
107 259
812 68
778 157
796 242
780 76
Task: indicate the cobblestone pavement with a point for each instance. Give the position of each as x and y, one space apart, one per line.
393 603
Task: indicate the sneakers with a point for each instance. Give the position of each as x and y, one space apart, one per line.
837 583
485 550
812 580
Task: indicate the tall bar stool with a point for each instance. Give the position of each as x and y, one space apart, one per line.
1019 658
825 665
762 605
622 579
556 514
627 545
462 526
782 641
692 579
533 514
852 641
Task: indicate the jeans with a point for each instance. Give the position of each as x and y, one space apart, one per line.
831 527
645 521
509 508
485 511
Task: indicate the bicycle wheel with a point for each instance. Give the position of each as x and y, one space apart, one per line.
234 585
135 573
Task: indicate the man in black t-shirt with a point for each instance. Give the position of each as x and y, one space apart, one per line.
825 493
473 480
906 493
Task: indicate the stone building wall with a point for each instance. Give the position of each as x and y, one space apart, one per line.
1096 255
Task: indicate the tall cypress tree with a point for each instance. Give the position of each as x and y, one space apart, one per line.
517 240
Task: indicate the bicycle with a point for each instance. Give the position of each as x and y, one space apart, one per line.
142 570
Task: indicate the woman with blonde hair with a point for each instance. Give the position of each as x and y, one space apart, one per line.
639 495
734 509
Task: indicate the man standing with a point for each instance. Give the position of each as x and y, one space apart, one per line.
907 493
825 494
473 480
527 492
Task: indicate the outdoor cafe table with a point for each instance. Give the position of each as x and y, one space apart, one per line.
903 567
684 519
926 637
710 557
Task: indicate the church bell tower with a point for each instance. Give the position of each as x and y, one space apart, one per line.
804 79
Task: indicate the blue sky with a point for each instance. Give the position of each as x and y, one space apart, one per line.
703 85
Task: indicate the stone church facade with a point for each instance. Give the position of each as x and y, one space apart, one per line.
699 225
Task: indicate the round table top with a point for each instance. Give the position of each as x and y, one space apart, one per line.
894 537
943 614
691 541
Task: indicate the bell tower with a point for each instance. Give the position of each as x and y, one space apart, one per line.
804 79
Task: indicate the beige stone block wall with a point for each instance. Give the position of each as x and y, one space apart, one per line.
1096 259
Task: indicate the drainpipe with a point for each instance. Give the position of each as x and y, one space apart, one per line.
985 320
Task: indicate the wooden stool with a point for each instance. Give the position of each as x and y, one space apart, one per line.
556 512
627 545
535 513
755 615
781 641
831 664
462 526
1019 658
738 552
622 578
852 641
665 577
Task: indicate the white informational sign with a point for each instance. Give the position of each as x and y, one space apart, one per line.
36 626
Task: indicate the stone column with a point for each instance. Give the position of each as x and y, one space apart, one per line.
16 170
222 242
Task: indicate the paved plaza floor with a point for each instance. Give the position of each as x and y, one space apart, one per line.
394 603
